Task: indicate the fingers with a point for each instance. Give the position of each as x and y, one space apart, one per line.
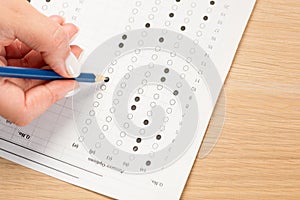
58 19
22 108
39 39
20 55
17 50
70 29
76 50
33 60
40 98
43 35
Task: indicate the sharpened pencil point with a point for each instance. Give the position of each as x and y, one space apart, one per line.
106 79
100 78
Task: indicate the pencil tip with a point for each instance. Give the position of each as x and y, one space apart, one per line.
106 79
100 78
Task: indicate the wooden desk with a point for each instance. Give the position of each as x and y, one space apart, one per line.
258 154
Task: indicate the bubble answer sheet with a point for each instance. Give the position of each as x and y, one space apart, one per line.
137 135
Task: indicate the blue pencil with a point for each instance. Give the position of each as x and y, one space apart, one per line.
48 75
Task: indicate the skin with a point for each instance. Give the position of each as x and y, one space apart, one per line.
30 39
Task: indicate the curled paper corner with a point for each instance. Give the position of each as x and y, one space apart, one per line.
215 127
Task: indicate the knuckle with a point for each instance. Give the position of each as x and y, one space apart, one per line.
60 37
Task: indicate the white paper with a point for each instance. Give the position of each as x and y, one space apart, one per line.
137 136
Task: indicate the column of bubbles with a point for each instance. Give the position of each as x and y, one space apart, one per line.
149 113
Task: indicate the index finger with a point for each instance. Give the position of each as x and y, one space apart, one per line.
43 35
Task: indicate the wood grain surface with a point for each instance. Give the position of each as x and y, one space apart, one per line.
258 153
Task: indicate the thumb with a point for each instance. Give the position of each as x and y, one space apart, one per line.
23 107
45 36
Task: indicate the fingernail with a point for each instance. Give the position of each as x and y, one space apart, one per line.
73 66
81 55
74 37
74 91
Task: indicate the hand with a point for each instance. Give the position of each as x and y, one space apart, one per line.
30 39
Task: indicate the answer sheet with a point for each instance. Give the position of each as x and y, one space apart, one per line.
137 135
